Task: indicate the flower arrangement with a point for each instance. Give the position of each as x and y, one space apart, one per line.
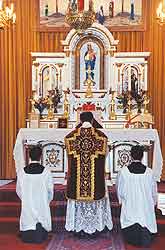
123 99
125 96
41 103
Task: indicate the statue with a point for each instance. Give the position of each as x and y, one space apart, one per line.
132 15
111 9
90 59
100 15
134 87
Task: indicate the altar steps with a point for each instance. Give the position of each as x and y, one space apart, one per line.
10 207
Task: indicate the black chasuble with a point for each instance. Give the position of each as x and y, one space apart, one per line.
86 148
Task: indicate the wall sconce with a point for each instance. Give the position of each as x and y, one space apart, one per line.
160 13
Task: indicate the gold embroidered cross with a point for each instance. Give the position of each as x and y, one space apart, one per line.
85 146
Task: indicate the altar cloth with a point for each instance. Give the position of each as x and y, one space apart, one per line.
52 134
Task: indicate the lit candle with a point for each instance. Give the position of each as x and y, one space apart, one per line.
86 5
50 77
163 7
14 18
12 7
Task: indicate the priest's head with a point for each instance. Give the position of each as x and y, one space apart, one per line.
137 152
35 153
86 117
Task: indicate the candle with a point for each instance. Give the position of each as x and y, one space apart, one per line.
12 7
163 6
1 5
14 18
80 5
86 5
50 77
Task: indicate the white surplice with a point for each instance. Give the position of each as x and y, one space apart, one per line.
88 216
137 194
35 192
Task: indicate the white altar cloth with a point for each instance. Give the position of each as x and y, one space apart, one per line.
53 134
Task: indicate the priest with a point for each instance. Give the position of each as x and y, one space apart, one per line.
88 206
137 194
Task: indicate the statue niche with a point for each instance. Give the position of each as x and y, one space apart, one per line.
89 64
49 79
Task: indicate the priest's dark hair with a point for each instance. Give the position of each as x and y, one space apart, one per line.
86 117
137 152
35 153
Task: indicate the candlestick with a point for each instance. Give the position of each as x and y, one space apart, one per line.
113 115
80 5
86 5
50 77
1 2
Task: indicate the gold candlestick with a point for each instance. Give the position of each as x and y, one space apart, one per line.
89 93
66 105
32 105
112 115
89 82
146 102
32 100
50 110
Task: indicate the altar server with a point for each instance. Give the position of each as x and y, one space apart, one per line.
35 189
137 194
88 206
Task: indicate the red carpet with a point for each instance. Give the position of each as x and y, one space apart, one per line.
12 242
104 241
9 225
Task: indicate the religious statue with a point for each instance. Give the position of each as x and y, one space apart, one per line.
111 9
46 81
134 84
90 59
132 16
100 15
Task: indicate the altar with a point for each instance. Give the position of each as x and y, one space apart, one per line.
119 141
89 75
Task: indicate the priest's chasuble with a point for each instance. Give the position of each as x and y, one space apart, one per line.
86 148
